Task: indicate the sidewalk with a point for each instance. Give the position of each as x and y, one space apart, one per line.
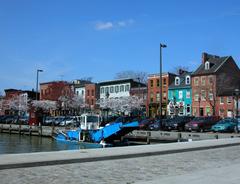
8 161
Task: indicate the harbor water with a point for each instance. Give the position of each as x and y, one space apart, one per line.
14 143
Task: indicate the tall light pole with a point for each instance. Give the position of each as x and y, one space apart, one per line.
160 80
237 94
37 83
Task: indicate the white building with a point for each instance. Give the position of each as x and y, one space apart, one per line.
117 88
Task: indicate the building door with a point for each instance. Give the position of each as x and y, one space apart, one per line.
201 112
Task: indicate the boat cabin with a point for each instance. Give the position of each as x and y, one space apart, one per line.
90 121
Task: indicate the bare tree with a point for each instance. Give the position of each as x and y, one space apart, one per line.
138 76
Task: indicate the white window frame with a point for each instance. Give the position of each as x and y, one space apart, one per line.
188 80
177 81
207 65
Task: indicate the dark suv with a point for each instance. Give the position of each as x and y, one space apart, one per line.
202 124
178 123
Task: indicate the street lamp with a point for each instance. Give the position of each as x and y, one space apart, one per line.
160 80
237 93
37 83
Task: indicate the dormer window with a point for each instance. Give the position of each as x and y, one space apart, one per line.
188 79
177 81
207 65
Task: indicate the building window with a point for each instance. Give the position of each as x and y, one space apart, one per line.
203 95
194 111
221 100
111 89
196 97
92 92
208 112
164 94
188 94
151 97
207 65
203 79
188 110
210 95
188 80
101 90
158 97
180 94
151 83
121 88
177 81
127 87
164 81
107 90
229 99
77 93
88 92
210 80
158 82
92 101
196 81
83 92
116 89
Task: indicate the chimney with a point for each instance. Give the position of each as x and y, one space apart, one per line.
181 71
204 57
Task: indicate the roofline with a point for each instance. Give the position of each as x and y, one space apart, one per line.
158 74
55 82
222 64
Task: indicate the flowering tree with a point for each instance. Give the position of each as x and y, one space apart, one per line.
18 103
122 104
45 105
74 102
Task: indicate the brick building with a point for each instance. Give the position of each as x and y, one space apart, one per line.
14 98
153 98
55 89
91 95
213 85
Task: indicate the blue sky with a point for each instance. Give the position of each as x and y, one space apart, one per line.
72 39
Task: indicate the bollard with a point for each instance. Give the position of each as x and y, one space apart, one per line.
148 137
179 137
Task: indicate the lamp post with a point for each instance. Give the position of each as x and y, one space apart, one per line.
160 80
237 93
38 70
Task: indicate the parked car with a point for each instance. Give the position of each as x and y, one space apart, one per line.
157 125
67 121
237 128
177 123
58 119
202 124
48 121
2 118
225 125
23 120
9 119
144 124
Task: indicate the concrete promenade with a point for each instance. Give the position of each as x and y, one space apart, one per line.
200 161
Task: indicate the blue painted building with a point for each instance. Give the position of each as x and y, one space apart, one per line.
180 95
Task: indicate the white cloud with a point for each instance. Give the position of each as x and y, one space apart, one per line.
110 25
104 25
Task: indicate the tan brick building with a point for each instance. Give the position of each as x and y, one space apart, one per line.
153 98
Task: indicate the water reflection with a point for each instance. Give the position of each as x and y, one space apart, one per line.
14 143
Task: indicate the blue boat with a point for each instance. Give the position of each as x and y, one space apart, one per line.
102 135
